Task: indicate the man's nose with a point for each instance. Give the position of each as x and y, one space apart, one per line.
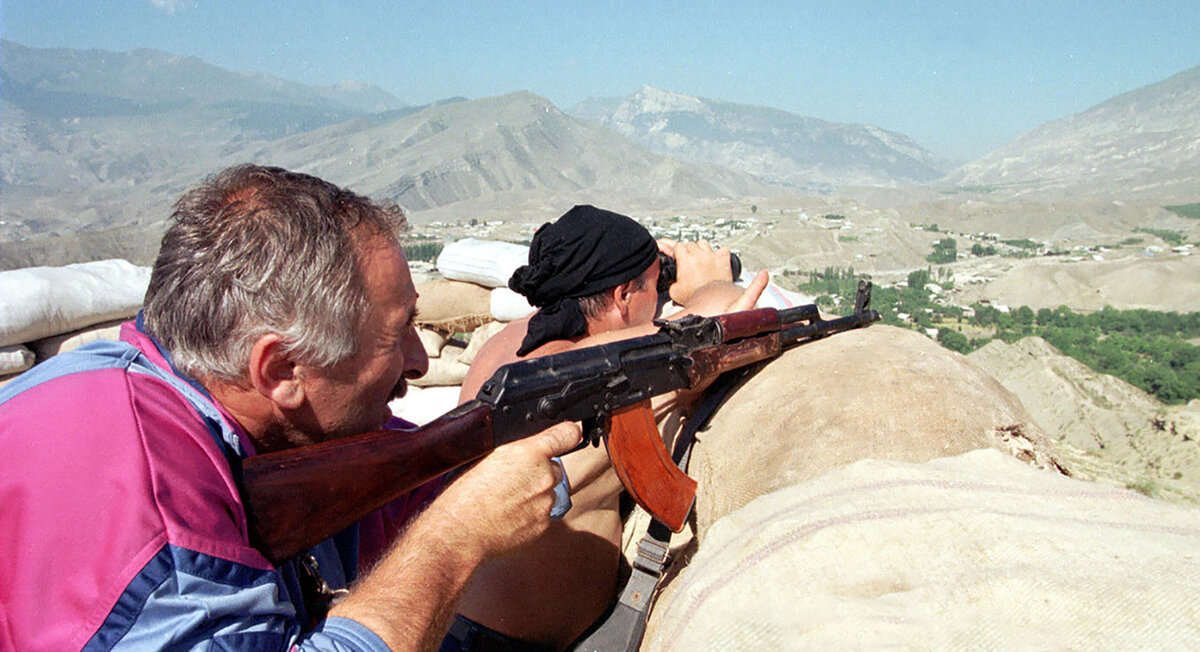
416 360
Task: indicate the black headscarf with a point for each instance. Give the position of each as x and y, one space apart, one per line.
587 250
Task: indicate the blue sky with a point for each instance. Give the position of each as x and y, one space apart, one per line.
961 78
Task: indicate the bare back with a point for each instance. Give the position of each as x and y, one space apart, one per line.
551 590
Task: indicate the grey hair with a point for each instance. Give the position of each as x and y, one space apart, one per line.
256 250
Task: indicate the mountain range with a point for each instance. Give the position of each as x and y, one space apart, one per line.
94 141
1144 143
774 146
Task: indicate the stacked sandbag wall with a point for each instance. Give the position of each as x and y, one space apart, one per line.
48 310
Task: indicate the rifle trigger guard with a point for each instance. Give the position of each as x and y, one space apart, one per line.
596 429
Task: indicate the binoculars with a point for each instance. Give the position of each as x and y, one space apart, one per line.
667 269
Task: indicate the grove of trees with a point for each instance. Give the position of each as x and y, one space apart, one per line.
1146 348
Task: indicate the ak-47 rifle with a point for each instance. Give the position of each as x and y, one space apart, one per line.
299 497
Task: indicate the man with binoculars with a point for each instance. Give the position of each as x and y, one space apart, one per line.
594 277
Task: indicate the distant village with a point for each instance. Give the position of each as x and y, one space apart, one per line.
954 246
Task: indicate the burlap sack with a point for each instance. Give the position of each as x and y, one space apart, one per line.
879 392
51 346
443 370
478 338
432 341
452 306
977 552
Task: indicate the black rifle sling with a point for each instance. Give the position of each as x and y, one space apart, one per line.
625 624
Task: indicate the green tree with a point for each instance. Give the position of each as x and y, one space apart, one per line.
918 279
953 340
1023 315
944 251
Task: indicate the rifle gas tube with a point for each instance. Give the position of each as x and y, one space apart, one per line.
299 497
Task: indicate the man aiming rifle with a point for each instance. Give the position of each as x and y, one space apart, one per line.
279 316
593 274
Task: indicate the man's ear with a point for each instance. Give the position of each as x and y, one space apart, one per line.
273 372
621 296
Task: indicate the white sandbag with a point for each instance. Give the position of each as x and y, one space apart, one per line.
479 337
977 551
489 263
424 404
443 370
38 302
51 346
432 341
507 305
14 359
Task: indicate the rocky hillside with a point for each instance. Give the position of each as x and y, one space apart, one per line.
93 140
1145 143
1109 429
516 142
774 146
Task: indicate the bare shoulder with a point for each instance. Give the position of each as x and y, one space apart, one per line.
498 351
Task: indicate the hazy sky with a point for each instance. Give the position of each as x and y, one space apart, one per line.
960 77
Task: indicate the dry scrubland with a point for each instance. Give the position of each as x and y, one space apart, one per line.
1103 428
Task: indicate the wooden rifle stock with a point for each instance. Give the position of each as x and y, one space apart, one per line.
297 498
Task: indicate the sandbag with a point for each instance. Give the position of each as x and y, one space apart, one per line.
443 370
424 404
51 346
14 359
978 551
479 337
879 392
432 341
487 262
450 307
38 302
506 305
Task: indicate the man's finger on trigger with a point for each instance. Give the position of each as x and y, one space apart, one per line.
561 439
